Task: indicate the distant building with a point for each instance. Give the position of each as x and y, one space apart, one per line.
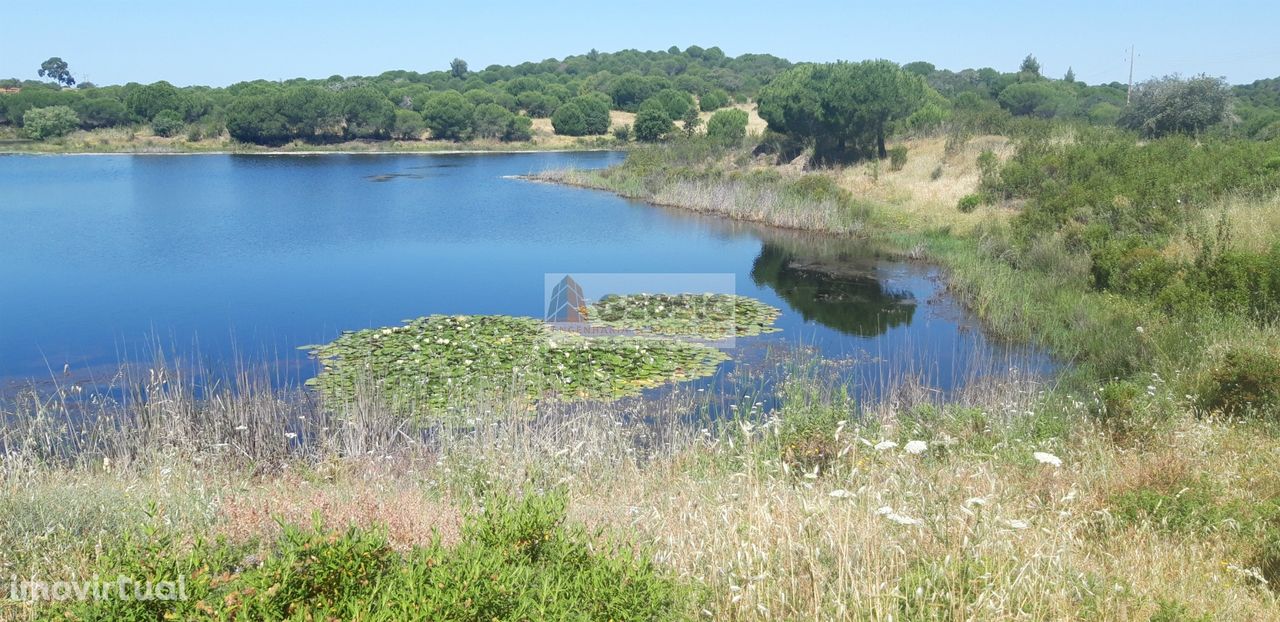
10 89
567 302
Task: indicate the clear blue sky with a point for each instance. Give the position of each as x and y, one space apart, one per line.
215 43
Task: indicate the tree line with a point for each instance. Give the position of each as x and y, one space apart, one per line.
842 111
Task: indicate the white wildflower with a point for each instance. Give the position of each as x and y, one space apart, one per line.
841 493
1016 524
883 445
901 519
1047 458
290 435
916 447
972 501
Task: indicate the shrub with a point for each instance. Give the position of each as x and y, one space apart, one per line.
714 99
448 115
490 120
1247 381
408 125
936 174
897 158
520 128
98 112
167 123
516 560
727 127
969 202
622 133
652 123
569 120
50 122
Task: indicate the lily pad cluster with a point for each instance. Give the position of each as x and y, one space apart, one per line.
438 361
711 316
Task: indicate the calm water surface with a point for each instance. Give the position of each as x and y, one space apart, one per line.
226 258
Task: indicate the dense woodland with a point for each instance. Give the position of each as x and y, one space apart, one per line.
843 110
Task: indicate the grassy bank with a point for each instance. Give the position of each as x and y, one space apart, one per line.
797 513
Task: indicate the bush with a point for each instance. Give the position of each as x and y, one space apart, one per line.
101 112
969 202
652 123
897 158
517 560
622 133
51 122
408 125
727 127
448 115
167 123
1247 381
520 128
569 120
491 121
713 100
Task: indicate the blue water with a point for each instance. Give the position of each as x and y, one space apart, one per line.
223 258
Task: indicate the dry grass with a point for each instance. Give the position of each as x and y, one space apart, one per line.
912 197
977 529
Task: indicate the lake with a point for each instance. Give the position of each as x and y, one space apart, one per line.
225 258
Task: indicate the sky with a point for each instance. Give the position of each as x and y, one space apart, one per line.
220 43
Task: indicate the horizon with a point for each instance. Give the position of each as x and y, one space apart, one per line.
1170 38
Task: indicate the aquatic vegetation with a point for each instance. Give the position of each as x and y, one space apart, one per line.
712 316
437 361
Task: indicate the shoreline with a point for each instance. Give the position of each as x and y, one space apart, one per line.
308 152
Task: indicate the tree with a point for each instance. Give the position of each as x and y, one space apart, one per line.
675 102
145 102
1029 69
1172 105
448 115
167 123
95 112
51 122
520 128
629 90
491 121
714 99
258 119
408 125
458 68
652 122
369 114
56 69
727 127
1040 99
1070 76
844 110
690 121
569 120
537 104
311 111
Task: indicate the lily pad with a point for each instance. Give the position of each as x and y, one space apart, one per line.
711 316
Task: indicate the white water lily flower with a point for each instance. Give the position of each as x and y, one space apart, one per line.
1047 458
841 493
916 447
883 445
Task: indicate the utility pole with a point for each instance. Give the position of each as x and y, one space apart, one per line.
1128 97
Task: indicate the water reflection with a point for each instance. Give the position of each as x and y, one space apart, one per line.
843 294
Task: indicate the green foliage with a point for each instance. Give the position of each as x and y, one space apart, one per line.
727 127
258 119
491 121
448 115
368 113
520 128
51 122
458 68
145 102
435 362
652 123
714 99
713 316
537 105
409 125
569 120
1040 99
1247 381
845 110
167 123
897 158
311 112
1174 611
969 202
622 133
518 559
56 69
1179 506
675 103
98 112
629 90
1172 105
